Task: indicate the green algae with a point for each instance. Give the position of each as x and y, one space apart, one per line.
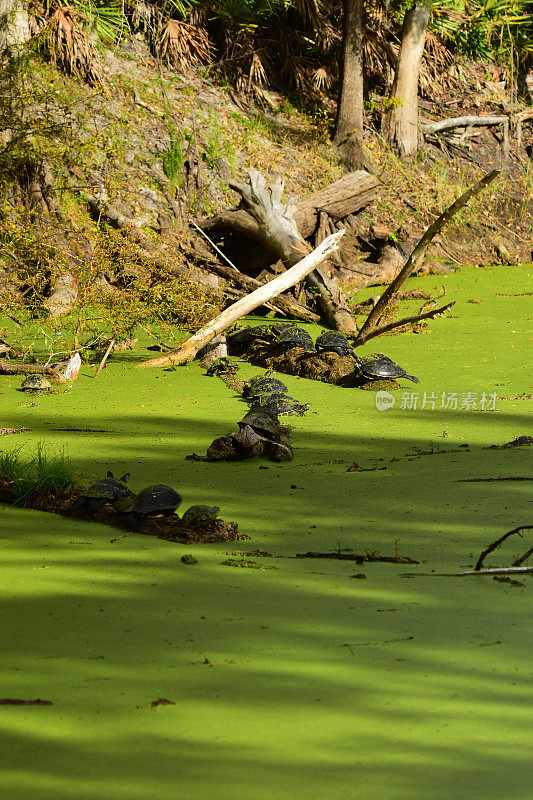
305 682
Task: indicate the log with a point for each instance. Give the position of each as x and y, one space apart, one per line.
459 122
188 350
10 368
346 196
277 227
285 305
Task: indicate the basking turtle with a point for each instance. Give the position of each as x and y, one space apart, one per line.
262 423
35 383
334 342
106 490
379 367
153 500
241 338
223 366
261 385
196 514
293 336
279 405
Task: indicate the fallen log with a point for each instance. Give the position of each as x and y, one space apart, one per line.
277 229
188 350
10 368
285 305
340 199
469 122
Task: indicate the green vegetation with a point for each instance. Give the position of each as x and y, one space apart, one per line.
41 474
387 687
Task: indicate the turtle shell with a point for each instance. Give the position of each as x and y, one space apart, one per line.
263 385
377 366
107 490
35 383
262 422
157 499
282 405
243 337
196 514
293 336
335 342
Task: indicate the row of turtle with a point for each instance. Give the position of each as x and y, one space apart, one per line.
285 336
260 428
149 502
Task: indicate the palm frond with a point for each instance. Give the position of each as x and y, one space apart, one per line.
65 41
182 45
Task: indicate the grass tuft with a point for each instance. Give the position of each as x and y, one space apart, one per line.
41 475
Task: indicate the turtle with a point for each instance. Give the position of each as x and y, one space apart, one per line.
106 490
261 385
241 338
196 514
293 336
35 383
379 367
334 342
262 422
280 404
154 500
222 366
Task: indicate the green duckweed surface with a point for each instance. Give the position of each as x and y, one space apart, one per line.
300 682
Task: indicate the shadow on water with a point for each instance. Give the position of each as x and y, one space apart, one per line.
300 680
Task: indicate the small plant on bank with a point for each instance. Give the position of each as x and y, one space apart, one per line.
42 475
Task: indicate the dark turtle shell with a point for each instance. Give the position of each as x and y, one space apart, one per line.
157 499
244 337
281 405
261 385
35 383
293 336
196 514
335 342
107 490
262 422
377 366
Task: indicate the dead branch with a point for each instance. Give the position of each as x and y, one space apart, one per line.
405 321
497 543
417 255
285 305
104 358
8 368
459 122
188 350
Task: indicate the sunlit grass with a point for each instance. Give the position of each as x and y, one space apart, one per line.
43 473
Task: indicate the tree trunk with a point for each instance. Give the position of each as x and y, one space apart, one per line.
14 24
400 121
349 124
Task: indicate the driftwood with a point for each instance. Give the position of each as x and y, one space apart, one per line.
371 322
470 122
277 230
284 305
361 339
9 368
281 230
188 350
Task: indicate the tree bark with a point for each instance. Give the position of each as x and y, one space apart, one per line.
14 24
349 124
400 121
